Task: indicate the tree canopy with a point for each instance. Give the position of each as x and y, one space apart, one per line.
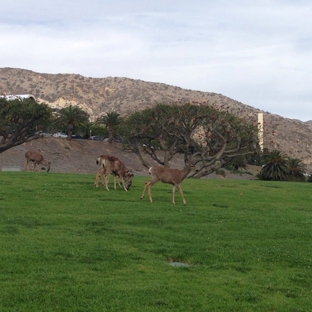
19 121
71 117
296 169
279 167
111 120
215 137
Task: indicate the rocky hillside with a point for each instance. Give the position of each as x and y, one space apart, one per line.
100 95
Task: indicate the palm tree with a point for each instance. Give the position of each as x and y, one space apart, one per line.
72 116
276 168
296 169
110 120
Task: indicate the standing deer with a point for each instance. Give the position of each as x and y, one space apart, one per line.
168 175
36 159
100 175
111 164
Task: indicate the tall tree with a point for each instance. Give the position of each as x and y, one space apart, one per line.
19 121
111 120
214 136
70 117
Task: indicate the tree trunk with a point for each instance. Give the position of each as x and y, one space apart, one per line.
70 131
140 154
166 159
110 134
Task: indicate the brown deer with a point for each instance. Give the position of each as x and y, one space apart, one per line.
111 164
100 176
168 175
36 159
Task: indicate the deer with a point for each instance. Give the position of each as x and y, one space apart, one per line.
100 176
170 176
111 164
101 171
36 159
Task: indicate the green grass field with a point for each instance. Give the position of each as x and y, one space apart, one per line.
236 245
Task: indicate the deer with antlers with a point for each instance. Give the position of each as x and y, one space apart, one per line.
36 159
168 175
112 165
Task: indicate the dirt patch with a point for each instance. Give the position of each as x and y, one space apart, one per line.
75 156
79 156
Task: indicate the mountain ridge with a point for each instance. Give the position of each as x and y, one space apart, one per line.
98 96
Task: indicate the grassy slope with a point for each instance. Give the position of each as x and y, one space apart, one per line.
67 246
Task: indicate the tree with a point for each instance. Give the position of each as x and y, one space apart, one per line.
276 168
296 169
71 117
214 136
19 121
238 162
98 130
110 120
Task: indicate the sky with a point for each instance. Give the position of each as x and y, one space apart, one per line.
256 52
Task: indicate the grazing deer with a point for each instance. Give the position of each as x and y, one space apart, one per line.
168 175
36 159
111 164
101 172
100 176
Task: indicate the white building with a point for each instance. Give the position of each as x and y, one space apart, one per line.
11 97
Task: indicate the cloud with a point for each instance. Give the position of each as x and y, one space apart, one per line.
255 52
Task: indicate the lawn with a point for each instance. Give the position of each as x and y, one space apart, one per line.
235 246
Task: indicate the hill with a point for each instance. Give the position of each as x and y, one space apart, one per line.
75 156
79 156
100 95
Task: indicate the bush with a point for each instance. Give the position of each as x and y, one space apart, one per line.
309 179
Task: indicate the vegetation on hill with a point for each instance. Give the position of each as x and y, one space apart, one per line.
98 96
70 118
214 137
19 121
279 167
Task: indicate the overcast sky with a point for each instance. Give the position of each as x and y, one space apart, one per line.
256 52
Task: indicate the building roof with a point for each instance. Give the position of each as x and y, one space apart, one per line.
11 97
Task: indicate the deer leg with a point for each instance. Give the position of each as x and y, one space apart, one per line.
103 176
149 186
122 182
103 179
115 182
181 192
106 183
117 179
26 166
98 177
38 165
150 193
106 180
106 177
144 190
173 191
